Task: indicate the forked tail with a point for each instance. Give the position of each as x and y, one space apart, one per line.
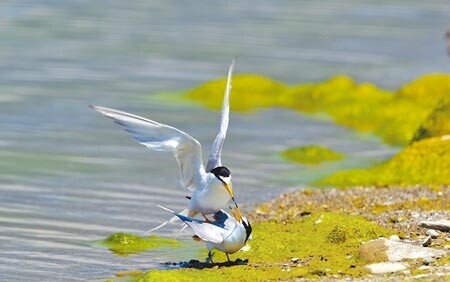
173 219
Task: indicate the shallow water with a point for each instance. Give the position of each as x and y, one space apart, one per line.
69 177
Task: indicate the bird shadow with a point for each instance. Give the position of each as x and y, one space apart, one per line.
193 263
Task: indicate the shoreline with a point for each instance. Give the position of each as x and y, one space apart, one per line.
396 210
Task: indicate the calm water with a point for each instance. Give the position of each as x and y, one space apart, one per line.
69 177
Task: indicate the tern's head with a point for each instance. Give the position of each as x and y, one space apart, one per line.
224 175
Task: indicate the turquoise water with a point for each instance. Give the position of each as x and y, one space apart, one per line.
69 177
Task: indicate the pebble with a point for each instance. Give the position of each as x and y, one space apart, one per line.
394 238
433 233
319 220
427 260
427 241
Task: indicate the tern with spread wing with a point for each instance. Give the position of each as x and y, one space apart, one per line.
226 233
211 185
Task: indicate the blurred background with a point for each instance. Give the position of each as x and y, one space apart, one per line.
69 177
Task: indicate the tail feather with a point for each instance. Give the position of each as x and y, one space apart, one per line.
173 219
181 230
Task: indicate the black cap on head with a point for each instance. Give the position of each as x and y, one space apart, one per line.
221 171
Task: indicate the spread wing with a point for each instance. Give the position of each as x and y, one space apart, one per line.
216 150
162 137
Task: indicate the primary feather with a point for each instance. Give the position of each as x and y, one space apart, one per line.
214 159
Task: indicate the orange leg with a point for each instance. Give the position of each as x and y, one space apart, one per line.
206 219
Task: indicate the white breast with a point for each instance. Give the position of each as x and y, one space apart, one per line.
211 198
233 241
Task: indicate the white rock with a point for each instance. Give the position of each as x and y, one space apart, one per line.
433 233
398 251
442 225
383 249
386 267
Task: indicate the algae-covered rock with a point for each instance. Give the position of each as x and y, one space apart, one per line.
394 116
126 243
423 162
437 123
249 91
311 154
428 89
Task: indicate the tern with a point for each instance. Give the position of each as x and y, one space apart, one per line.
226 233
211 185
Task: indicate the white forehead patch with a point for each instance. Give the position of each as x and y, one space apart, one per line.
226 179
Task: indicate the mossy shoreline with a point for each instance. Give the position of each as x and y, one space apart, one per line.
312 246
316 234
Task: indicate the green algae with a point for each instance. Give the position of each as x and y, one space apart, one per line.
241 273
317 241
126 243
250 91
424 162
395 116
437 123
427 89
311 155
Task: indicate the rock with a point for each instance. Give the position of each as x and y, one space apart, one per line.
433 233
386 267
427 241
374 250
382 249
442 225
295 260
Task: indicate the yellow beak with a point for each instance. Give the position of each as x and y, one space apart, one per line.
236 213
229 190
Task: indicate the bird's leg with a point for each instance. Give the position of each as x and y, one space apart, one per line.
228 258
210 257
206 219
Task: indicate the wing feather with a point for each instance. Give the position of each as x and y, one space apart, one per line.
161 137
214 159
